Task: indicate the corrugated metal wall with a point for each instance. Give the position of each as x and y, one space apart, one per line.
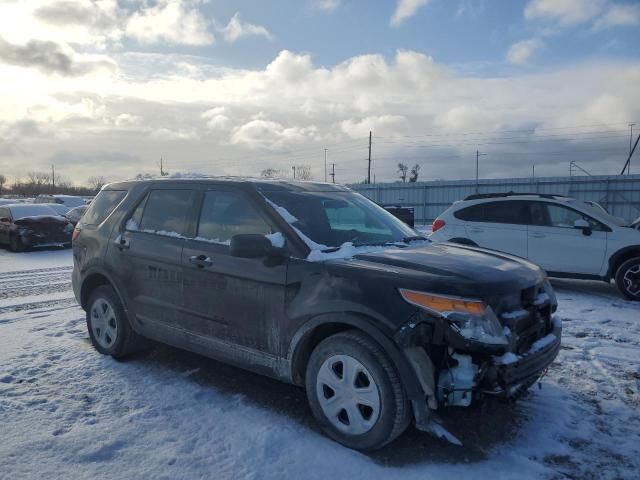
619 194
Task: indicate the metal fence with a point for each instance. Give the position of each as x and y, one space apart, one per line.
619 194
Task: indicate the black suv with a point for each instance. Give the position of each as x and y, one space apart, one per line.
316 285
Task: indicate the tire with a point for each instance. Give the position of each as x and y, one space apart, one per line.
375 422
628 279
15 244
112 334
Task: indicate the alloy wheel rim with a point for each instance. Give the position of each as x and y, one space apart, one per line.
632 280
103 323
348 394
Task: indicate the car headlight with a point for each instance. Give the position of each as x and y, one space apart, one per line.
24 231
471 318
68 228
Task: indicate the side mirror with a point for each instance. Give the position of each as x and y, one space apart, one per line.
583 225
253 245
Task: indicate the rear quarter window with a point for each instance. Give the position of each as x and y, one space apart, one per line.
101 207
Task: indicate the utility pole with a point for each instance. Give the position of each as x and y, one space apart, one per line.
325 165
162 172
533 170
333 173
369 170
630 155
294 172
478 155
53 178
631 125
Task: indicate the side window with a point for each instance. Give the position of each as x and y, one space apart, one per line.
510 211
225 214
166 211
552 215
102 206
474 213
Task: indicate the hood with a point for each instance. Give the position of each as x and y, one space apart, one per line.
453 269
41 220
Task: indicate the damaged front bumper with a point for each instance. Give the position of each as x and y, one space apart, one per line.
510 375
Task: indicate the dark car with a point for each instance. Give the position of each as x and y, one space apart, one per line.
74 214
26 225
406 214
316 285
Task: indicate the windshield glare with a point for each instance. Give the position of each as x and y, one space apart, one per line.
599 212
333 218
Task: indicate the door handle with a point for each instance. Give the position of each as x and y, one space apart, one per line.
538 235
121 242
476 230
200 261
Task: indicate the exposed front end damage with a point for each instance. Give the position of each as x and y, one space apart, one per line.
455 370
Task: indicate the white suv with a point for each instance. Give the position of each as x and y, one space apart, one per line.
565 236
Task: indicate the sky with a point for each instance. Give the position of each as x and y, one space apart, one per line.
227 87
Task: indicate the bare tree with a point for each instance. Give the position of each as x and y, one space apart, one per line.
3 180
96 183
271 173
303 172
402 170
415 170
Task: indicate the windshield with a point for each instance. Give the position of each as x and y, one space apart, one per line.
333 218
600 212
22 211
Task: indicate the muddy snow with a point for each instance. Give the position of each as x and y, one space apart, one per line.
68 412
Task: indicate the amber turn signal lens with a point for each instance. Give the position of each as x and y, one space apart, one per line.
443 303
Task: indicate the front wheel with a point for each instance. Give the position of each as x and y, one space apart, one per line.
15 244
628 279
355 393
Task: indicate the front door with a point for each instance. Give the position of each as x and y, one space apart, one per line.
4 225
237 300
557 246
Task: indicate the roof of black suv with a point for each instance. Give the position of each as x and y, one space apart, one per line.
264 185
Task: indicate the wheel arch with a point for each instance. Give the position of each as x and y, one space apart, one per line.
621 256
94 280
323 326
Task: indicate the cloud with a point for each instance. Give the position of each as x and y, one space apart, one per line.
236 29
291 109
171 21
326 5
50 57
564 12
521 53
618 16
406 9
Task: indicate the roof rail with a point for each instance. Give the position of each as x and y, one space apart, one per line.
477 196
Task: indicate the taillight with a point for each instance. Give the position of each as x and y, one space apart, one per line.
76 233
437 225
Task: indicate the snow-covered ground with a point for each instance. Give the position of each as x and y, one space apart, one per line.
68 412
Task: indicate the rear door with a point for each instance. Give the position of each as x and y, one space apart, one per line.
238 300
557 246
150 251
499 225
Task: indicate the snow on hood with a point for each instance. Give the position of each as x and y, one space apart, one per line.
320 252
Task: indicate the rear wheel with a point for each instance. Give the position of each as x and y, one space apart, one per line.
109 328
628 279
355 393
15 244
